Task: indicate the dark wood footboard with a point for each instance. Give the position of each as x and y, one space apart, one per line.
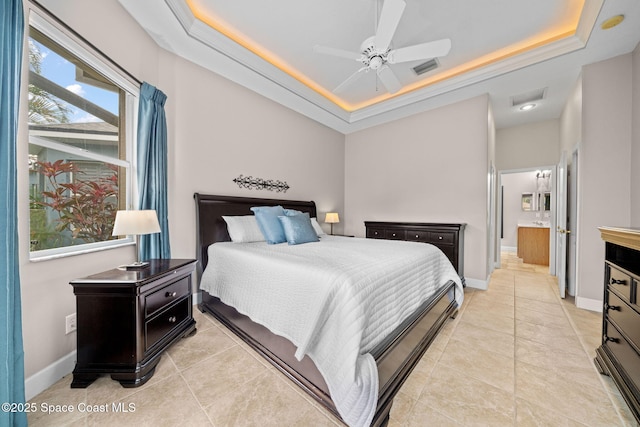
396 356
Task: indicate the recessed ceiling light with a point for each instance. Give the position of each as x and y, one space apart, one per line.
527 107
612 22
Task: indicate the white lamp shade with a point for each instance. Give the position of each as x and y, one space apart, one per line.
136 222
332 218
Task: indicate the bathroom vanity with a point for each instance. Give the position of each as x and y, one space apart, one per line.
533 243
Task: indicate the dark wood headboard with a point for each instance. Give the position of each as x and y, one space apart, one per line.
211 228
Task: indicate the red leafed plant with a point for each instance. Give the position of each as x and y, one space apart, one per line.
87 208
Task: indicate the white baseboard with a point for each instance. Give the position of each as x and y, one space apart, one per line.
508 249
477 284
589 304
42 380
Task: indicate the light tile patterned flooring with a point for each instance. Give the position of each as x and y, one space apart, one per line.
515 355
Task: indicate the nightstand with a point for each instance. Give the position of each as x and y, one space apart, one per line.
127 318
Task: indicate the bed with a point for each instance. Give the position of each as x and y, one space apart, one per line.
394 354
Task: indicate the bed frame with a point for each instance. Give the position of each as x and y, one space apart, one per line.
396 356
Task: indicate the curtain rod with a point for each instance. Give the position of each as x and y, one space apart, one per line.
84 40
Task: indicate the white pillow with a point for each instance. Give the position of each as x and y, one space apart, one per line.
316 227
243 229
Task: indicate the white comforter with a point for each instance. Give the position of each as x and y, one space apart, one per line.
335 300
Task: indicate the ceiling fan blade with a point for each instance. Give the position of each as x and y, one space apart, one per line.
420 51
389 79
337 52
352 79
389 19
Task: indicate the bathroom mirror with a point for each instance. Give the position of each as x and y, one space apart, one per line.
527 202
545 201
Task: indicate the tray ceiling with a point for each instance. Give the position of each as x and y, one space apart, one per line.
504 48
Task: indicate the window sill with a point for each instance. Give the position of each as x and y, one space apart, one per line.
79 250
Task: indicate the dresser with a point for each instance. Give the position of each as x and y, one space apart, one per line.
619 354
449 238
127 318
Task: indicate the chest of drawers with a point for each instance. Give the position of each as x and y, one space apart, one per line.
127 318
619 354
449 238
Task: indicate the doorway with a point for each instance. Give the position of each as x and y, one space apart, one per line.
526 199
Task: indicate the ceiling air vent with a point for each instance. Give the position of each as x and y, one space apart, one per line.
528 97
425 67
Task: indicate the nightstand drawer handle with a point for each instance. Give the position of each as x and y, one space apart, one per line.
439 237
172 319
613 340
618 282
613 307
171 294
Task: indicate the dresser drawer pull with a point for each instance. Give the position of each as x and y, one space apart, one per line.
417 236
613 307
613 340
173 319
618 282
170 294
439 237
394 234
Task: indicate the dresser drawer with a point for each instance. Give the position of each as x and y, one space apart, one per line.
441 237
394 234
417 236
620 282
627 358
165 296
375 233
625 317
165 322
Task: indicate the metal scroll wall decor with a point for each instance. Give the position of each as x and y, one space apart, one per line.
261 184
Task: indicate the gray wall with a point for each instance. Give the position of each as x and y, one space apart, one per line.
217 131
424 168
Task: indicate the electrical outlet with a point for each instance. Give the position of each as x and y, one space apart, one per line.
70 323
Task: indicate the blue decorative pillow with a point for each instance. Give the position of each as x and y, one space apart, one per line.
267 217
298 229
291 212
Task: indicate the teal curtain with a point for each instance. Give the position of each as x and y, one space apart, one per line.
11 349
152 169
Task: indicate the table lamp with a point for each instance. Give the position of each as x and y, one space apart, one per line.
136 223
332 218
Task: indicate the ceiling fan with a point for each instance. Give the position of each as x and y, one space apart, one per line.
376 53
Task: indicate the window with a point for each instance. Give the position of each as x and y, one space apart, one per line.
81 115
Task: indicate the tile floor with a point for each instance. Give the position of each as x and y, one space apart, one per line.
515 355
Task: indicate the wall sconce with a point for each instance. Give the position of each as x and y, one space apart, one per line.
136 223
332 218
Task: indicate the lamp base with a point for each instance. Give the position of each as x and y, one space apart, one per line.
138 265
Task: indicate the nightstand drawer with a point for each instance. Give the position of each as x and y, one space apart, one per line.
165 296
441 237
417 236
162 324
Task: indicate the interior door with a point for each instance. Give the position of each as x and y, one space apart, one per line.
561 225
